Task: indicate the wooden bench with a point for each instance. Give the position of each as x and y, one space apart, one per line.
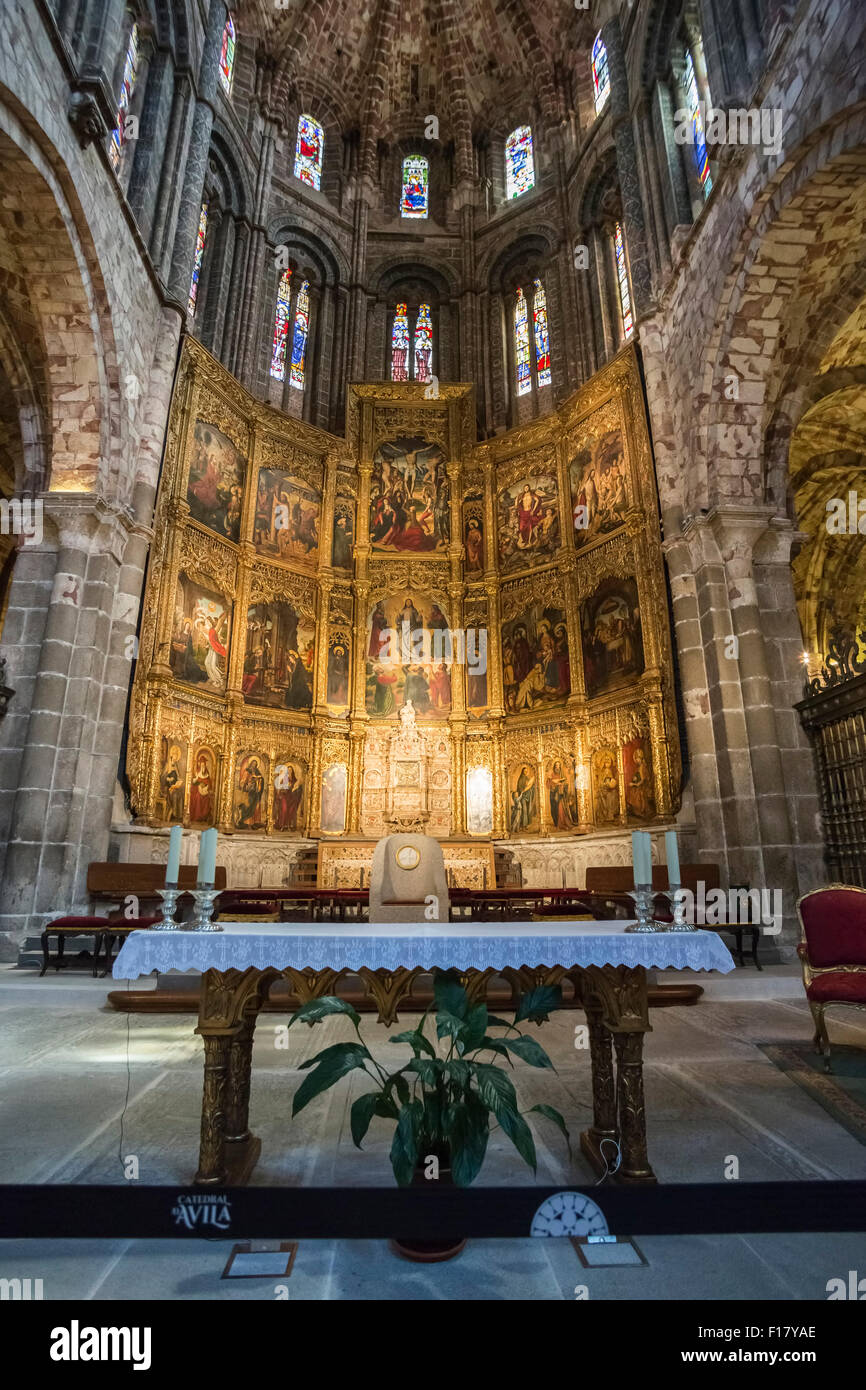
114 883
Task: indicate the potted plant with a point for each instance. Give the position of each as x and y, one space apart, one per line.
442 1103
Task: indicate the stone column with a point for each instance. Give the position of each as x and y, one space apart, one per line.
152 146
93 99
192 190
627 168
61 812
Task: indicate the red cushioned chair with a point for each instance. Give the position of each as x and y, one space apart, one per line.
832 950
118 928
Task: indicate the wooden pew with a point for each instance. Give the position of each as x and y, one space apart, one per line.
114 883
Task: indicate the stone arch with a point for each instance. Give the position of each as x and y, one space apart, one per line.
787 291
50 249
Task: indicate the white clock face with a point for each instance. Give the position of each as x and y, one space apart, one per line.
569 1214
408 857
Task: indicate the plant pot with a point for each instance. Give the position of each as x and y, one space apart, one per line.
429 1251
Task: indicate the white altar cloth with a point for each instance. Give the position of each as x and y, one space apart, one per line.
433 945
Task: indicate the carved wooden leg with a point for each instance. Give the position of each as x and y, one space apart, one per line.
604 1121
238 1097
386 988
211 1155
229 1002
635 1165
313 984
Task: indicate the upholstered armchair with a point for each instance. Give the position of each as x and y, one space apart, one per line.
832 951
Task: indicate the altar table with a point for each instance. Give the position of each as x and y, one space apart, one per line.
240 963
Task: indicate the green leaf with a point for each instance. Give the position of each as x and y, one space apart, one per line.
335 1050
458 1071
554 1115
538 1003
449 995
429 1072
362 1112
495 1045
467 1128
399 1084
495 1089
320 1008
386 1106
448 1023
416 1041
333 1063
520 1135
404 1149
494 1022
476 1027
528 1050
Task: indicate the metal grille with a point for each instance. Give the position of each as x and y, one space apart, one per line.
835 719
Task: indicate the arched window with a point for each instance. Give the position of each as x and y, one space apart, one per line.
199 257
400 345
521 345
423 344
542 336
693 106
416 174
299 337
127 86
227 56
622 278
600 74
281 326
519 163
308 152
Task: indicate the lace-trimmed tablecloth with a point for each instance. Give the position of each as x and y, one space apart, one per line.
398 945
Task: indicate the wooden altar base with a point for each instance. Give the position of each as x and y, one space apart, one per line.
186 1001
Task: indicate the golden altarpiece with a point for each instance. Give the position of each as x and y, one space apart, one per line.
315 605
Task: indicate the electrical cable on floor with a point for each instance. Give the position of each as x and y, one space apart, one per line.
608 1171
128 1085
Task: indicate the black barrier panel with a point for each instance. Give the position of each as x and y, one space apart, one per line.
434 1213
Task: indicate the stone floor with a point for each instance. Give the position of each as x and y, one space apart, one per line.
66 1063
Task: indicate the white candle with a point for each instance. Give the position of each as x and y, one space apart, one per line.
207 858
672 854
172 868
641 857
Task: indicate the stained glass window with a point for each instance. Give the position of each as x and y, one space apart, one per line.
542 336
622 277
130 73
600 74
521 345
299 337
702 162
281 326
519 163
308 152
400 345
423 344
415 186
199 257
227 56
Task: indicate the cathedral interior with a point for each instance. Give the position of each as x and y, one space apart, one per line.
487 374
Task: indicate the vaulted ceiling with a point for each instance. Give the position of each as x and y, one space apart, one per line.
393 62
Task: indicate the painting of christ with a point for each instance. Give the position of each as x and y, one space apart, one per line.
200 635
410 498
610 629
409 657
287 517
473 540
215 488
279 657
599 488
529 533
536 667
